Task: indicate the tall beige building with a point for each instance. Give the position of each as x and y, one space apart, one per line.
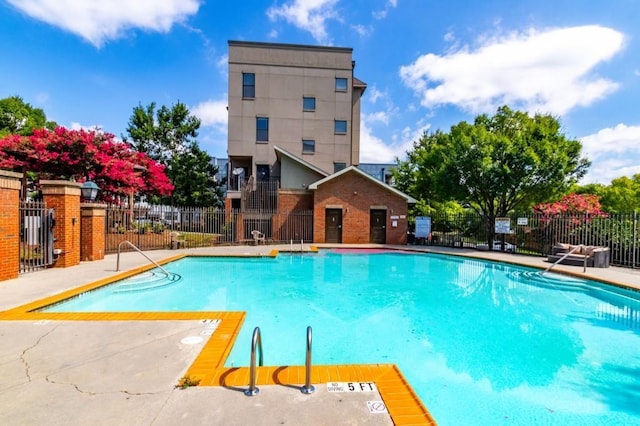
294 114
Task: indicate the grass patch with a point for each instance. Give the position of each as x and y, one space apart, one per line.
187 382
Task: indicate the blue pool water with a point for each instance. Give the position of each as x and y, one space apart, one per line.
481 343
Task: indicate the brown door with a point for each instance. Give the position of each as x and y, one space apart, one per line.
333 226
378 226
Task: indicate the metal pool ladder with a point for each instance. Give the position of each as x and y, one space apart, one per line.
308 387
256 344
164 271
301 246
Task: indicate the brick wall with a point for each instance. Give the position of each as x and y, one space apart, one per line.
9 224
294 200
356 195
64 198
92 231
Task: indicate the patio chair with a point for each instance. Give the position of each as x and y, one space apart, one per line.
257 237
177 240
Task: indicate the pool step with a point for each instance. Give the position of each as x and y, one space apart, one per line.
147 281
548 280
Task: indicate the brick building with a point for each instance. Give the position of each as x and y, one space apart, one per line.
294 144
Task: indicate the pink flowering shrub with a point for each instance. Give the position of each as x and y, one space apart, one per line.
82 155
578 208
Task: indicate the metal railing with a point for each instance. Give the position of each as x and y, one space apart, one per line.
149 227
256 343
570 252
308 387
535 234
168 274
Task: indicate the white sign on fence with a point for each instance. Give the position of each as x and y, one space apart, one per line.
423 226
503 225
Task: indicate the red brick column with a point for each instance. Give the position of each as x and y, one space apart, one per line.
239 227
276 224
227 205
9 224
64 197
92 229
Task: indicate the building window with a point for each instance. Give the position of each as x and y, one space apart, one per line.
308 104
339 166
262 129
308 146
340 127
341 84
248 85
263 171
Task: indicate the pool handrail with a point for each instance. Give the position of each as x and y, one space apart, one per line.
139 251
563 258
256 342
308 388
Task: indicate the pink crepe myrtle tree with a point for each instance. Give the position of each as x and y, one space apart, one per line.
572 205
572 218
82 155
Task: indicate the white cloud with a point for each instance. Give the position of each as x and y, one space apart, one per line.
449 37
273 34
408 136
92 128
605 171
308 15
361 30
100 21
222 63
374 150
381 116
374 94
381 14
614 152
619 139
212 113
548 71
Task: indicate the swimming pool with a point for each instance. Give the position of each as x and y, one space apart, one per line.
480 342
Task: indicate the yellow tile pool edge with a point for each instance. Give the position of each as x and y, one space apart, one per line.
404 407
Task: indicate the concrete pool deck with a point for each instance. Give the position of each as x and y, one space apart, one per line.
125 372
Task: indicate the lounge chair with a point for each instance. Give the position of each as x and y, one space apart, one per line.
177 240
257 237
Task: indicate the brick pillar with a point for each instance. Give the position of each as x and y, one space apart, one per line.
9 224
276 224
239 227
64 197
92 229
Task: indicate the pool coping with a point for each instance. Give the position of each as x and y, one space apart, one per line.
403 404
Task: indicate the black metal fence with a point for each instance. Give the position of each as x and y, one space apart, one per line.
36 238
152 227
536 234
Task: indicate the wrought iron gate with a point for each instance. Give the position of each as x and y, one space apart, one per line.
36 236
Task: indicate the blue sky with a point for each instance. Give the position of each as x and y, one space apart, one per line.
428 63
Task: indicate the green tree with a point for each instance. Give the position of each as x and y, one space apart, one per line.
498 164
169 136
622 196
18 117
195 180
588 189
